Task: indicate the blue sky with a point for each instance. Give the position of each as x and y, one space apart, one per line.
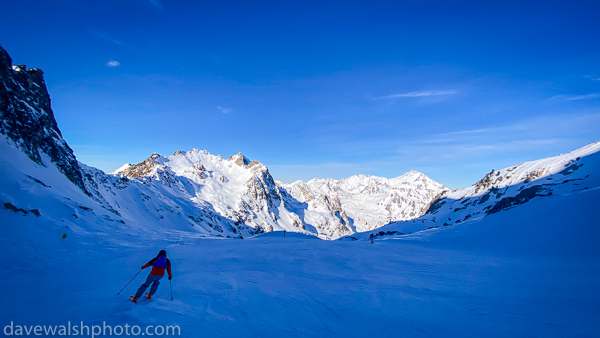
318 88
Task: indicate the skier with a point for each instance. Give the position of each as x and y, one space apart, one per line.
371 236
159 264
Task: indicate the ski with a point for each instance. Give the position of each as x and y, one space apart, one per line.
133 301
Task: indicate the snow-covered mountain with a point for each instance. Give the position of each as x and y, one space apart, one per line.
508 188
235 197
244 192
363 202
193 190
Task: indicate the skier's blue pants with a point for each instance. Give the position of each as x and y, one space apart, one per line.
152 279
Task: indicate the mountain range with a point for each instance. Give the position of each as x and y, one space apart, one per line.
235 197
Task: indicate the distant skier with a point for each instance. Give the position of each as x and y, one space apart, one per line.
283 233
159 264
371 236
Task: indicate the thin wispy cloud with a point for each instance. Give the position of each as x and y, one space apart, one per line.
424 93
583 97
576 97
224 110
471 131
113 63
541 126
511 128
105 37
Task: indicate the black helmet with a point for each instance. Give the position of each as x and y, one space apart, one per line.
162 253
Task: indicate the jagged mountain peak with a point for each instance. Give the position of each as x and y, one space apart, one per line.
218 195
239 159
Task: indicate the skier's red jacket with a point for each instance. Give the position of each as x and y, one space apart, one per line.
158 270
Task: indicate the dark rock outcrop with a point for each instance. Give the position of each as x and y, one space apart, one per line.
27 119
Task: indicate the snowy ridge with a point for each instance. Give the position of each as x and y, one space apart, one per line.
508 188
505 188
527 172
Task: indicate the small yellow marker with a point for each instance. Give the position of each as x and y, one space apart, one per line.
63 239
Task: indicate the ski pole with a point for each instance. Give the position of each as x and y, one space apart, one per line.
171 288
129 281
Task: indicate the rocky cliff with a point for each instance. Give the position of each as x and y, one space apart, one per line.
27 119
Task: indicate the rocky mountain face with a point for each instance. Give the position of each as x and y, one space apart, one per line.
28 120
